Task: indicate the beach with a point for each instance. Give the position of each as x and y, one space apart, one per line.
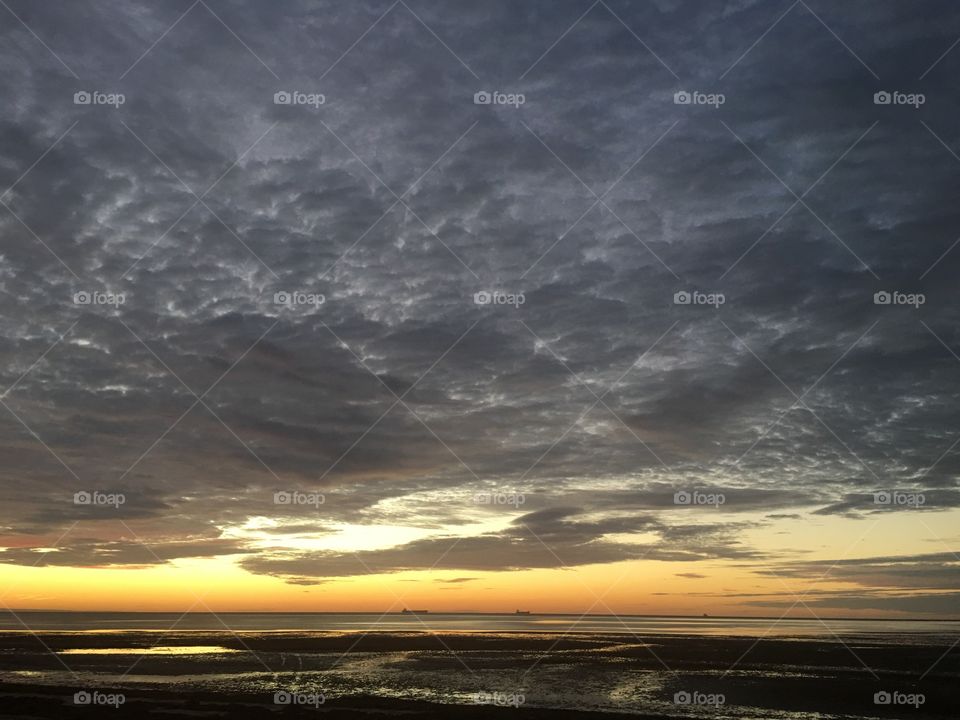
243 674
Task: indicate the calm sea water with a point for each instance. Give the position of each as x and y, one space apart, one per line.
442 622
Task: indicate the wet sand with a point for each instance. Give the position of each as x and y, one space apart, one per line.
473 675
32 702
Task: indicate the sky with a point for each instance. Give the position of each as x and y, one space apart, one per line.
626 307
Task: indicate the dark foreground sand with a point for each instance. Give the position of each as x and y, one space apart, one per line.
422 675
31 701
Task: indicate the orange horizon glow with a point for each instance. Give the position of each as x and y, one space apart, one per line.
721 587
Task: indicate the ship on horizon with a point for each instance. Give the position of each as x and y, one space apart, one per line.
407 611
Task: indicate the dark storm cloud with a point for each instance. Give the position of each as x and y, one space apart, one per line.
399 198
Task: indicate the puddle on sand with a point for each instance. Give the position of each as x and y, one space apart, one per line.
159 650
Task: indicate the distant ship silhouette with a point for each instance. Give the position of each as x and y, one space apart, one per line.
522 612
405 611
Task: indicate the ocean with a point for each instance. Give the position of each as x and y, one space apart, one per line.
479 622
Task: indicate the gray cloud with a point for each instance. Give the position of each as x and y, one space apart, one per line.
493 397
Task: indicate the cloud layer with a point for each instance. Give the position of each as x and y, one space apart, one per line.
397 200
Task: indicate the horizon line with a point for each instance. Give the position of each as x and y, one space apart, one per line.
531 613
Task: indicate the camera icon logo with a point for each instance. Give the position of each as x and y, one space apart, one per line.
282 497
482 98
881 298
282 697
82 298
82 97
882 698
483 297
883 497
681 297
82 498
282 97
82 698
281 298
882 98
682 498
682 97
682 698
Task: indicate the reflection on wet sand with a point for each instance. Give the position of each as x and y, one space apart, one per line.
156 650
